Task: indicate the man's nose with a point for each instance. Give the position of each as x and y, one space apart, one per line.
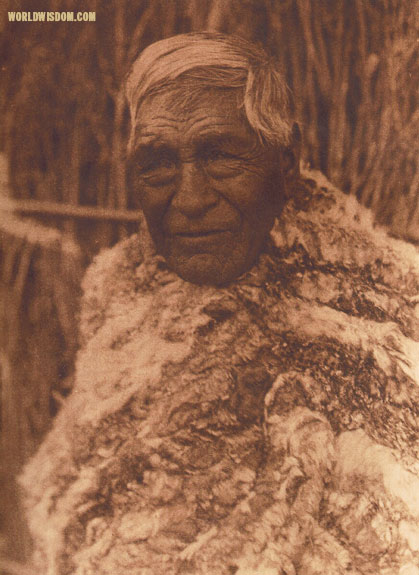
194 195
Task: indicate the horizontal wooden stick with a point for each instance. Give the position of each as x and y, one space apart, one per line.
37 207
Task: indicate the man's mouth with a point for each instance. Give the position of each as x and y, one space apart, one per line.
201 239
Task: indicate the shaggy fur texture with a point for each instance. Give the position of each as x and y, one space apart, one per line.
265 428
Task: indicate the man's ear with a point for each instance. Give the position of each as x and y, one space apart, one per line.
287 171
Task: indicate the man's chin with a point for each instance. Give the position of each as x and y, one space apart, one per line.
205 269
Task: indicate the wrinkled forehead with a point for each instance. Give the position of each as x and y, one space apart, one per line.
185 114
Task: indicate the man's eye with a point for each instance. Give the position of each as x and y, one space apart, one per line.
214 155
221 164
158 171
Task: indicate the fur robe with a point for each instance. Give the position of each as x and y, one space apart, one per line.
264 428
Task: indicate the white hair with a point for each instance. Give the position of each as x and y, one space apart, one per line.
215 60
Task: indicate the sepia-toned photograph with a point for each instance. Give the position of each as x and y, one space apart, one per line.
209 287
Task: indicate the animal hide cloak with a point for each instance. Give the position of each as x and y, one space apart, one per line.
268 427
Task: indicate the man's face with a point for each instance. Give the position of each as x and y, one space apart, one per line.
205 185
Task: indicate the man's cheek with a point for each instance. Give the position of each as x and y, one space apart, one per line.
250 199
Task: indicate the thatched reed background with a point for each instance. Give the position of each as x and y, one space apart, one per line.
352 66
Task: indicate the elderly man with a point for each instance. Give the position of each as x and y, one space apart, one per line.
246 390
